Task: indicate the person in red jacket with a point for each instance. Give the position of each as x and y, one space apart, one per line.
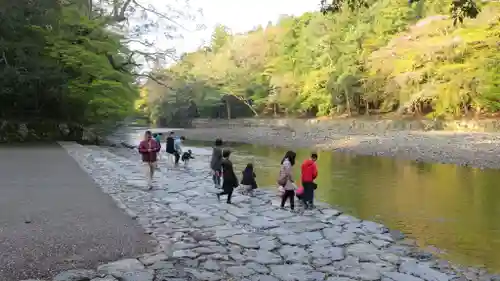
149 148
309 172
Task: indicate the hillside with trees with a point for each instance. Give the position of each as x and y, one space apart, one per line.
72 62
354 57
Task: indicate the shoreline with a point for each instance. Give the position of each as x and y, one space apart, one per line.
252 239
470 149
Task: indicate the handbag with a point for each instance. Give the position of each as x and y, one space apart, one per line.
300 190
281 190
282 181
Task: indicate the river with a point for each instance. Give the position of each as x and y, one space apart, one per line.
446 209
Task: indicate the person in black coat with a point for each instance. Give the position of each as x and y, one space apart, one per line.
216 163
229 179
170 147
248 182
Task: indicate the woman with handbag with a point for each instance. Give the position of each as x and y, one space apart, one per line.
285 180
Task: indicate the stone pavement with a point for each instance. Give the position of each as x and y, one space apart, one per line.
250 240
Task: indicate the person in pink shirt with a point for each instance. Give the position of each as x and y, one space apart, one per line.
149 148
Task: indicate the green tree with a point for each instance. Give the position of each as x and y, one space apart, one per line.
56 64
364 57
220 37
77 61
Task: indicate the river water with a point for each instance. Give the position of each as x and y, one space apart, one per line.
446 209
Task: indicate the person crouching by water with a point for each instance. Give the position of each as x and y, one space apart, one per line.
229 179
309 173
186 156
216 162
170 147
149 149
248 182
286 179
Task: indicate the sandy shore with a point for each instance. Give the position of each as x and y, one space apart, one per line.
480 150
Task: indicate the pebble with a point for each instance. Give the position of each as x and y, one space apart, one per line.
203 239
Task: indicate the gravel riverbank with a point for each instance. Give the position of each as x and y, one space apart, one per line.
467 149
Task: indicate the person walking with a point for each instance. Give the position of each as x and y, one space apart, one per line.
178 149
170 147
149 149
216 163
229 179
286 179
309 173
157 137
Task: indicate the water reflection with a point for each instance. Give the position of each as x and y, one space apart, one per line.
445 206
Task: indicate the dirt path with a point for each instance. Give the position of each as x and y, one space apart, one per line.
53 217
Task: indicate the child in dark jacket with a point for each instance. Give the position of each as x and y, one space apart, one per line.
229 179
216 163
248 182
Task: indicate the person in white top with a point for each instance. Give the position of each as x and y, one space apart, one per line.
286 181
178 149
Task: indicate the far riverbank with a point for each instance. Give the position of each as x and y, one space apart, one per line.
475 149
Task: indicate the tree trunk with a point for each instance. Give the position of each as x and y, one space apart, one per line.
251 108
477 112
247 104
347 102
228 110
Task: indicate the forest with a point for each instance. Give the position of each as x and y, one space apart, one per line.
434 59
72 61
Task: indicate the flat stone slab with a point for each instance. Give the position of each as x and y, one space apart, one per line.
121 266
296 272
249 240
294 254
75 275
424 272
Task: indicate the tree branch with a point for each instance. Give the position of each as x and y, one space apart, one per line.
119 13
156 80
144 43
155 55
121 67
4 58
151 9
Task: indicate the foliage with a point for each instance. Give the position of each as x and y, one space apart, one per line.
460 9
454 70
76 61
55 65
363 57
